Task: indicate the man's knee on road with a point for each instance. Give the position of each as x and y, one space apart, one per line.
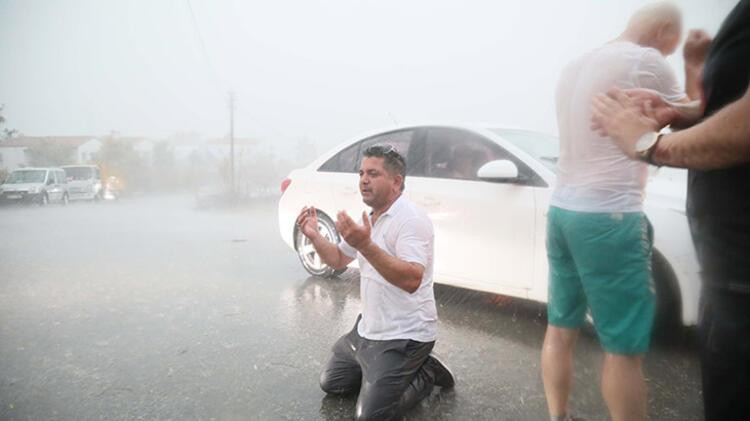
370 410
336 386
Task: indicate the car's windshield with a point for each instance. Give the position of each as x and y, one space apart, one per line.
542 147
79 173
26 176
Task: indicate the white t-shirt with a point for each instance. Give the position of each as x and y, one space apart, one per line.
389 312
594 175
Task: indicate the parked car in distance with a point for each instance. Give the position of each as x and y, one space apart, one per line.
487 192
35 185
84 182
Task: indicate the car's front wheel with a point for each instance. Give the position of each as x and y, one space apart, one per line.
307 254
668 310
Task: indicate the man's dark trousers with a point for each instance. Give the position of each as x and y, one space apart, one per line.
391 375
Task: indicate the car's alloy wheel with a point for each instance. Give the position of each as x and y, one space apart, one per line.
310 259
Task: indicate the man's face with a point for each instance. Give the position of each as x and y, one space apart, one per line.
375 183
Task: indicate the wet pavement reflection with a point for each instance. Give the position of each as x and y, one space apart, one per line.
151 308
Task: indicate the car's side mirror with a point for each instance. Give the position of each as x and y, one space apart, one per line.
499 170
50 181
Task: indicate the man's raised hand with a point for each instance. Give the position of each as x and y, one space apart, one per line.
357 236
696 47
307 222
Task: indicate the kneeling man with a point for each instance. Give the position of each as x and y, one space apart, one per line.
386 356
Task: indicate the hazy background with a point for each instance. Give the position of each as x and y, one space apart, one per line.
317 70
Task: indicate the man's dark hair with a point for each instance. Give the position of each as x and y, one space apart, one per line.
393 162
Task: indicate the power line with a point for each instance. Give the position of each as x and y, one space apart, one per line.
204 50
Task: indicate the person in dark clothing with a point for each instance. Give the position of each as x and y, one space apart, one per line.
716 150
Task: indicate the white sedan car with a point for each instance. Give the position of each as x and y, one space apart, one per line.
487 192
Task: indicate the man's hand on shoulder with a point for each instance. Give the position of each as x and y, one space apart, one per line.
653 104
357 236
619 116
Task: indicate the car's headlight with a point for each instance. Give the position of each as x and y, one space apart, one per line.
33 190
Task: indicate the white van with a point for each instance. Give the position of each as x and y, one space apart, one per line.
35 185
84 182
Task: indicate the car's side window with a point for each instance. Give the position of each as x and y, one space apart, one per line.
401 140
350 159
459 154
344 161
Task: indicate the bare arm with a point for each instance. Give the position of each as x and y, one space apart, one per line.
405 275
721 141
694 52
400 273
693 81
329 253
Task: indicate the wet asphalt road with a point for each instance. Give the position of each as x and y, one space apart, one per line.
152 309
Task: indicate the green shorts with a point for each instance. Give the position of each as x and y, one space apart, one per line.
602 261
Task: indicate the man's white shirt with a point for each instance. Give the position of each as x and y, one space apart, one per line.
594 175
388 312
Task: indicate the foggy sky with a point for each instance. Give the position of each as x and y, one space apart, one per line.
324 70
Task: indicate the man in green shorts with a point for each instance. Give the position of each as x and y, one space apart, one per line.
599 242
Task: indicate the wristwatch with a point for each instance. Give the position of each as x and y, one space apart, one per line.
645 146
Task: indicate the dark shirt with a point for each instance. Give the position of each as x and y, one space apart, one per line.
718 202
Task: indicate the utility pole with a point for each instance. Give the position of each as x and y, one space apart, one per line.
231 146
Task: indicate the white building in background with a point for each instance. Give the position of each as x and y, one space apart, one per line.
14 152
12 155
86 152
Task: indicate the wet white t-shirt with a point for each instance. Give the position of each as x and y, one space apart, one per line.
389 312
594 175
